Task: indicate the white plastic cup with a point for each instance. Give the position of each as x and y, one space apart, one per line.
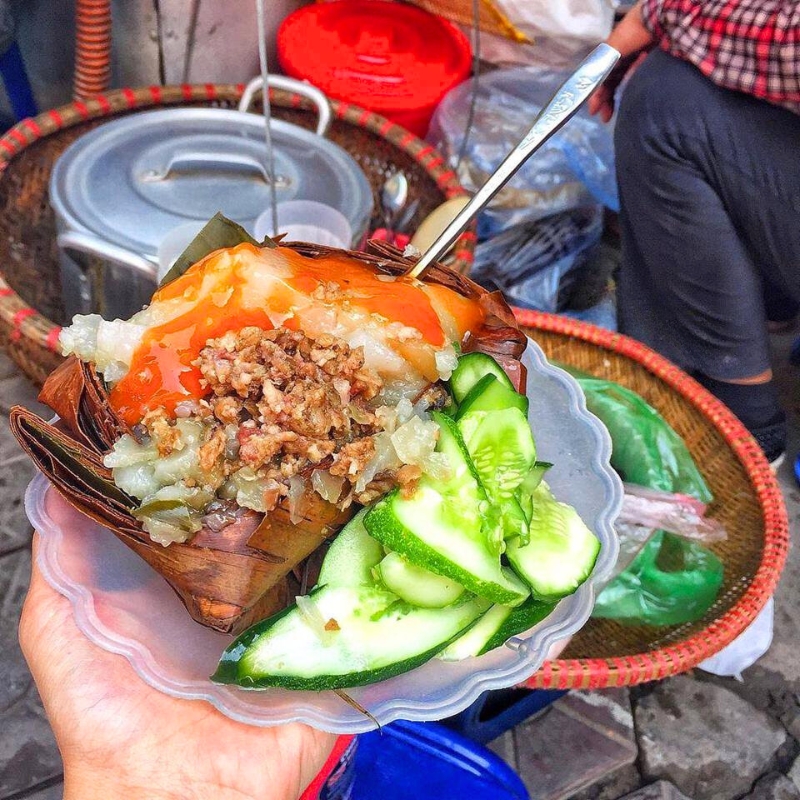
174 243
307 221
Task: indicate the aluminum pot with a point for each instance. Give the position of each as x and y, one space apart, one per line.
121 189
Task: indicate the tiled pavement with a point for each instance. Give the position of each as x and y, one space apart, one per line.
695 737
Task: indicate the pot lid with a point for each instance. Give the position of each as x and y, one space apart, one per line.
135 179
383 56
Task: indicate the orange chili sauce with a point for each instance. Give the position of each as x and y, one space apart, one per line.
161 371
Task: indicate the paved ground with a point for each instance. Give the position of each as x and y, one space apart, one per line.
694 736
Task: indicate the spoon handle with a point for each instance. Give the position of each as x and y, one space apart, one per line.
571 95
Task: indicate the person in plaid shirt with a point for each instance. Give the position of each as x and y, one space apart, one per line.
708 164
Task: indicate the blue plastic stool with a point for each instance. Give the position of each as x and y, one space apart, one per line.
493 713
426 761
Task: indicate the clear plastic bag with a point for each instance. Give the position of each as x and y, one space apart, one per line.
561 32
531 263
575 168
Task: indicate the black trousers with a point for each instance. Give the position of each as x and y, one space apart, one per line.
709 185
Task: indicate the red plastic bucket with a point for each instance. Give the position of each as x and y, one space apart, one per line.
391 58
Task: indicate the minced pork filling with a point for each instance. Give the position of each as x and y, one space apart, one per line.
285 411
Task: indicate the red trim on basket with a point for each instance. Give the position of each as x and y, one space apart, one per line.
81 108
406 140
386 127
435 162
211 91
315 787
186 91
58 120
18 136
342 109
130 97
33 126
446 177
239 88
364 118
155 93
52 338
104 104
424 152
16 322
7 146
6 292
22 314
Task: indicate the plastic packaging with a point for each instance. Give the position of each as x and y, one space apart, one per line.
671 580
113 593
676 513
574 168
561 33
746 648
646 450
532 263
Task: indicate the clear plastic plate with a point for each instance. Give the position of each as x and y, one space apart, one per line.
125 607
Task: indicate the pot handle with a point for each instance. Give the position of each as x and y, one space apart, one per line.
316 96
194 162
95 246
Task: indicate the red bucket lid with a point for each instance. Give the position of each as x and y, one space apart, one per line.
381 55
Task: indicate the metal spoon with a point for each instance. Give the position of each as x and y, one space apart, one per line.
394 195
571 95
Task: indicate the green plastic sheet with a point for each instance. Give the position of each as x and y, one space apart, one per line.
672 580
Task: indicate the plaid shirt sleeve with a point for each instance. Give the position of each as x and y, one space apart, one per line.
751 46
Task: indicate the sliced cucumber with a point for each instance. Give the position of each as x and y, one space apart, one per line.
527 490
473 642
501 446
489 394
471 368
371 635
440 527
521 619
352 556
416 585
535 476
561 552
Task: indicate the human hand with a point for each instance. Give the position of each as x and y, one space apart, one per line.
633 41
121 738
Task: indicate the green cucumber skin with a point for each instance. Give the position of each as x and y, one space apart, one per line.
471 368
521 619
231 668
228 668
383 524
489 394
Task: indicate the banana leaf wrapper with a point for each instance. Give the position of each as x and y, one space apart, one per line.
231 578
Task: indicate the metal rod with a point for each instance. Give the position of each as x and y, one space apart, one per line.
571 95
262 60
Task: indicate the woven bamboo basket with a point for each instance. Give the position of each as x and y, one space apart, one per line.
747 501
30 305
604 653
